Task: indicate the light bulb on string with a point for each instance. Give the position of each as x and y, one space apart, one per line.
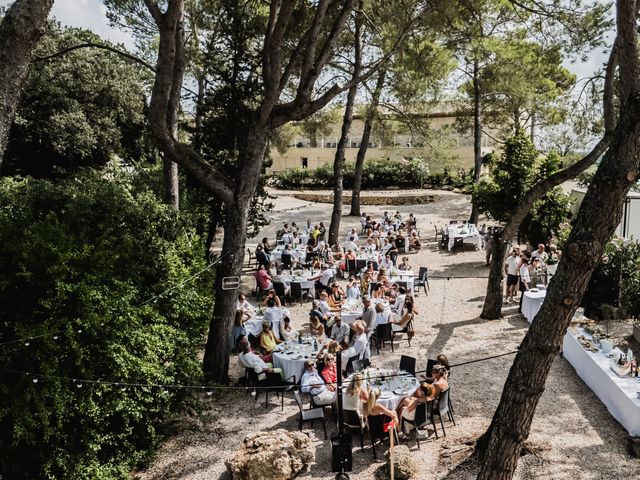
34 380
26 344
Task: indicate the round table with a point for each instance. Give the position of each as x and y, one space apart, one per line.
393 388
353 309
531 303
273 315
290 357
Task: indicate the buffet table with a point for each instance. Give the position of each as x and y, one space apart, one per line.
532 302
618 394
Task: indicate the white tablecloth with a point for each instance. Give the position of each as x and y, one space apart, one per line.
403 276
274 315
617 394
291 361
469 234
406 383
297 254
353 309
531 304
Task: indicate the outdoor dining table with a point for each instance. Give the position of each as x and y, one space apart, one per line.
297 254
291 356
531 303
273 315
468 232
393 385
353 309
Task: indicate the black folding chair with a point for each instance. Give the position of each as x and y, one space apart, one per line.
442 408
376 430
383 334
351 267
359 365
297 291
353 422
408 364
422 280
280 291
430 363
423 417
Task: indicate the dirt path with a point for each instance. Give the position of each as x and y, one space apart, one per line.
573 436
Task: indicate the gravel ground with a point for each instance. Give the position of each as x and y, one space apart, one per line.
572 437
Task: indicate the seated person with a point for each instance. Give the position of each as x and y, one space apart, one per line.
286 257
268 340
271 300
360 348
400 242
238 331
244 306
439 374
382 276
369 269
386 262
443 361
329 372
316 264
382 314
364 283
398 303
404 265
323 279
287 333
378 292
408 405
356 394
414 241
316 329
316 312
337 296
340 331
353 289
409 311
323 304
350 255
351 245
311 382
373 408
249 359
262 257
263 278
336 252
370 246
265 246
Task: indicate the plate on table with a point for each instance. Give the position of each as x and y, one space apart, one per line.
399 391
386 395
534 290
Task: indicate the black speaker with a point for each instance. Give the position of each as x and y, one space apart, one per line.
341 458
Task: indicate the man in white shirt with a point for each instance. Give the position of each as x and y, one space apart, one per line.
243 305
250 359
368 316
287 238
386 246
311 382
323 278
511 267
350 245
352 235
387 263
396 306
323 304
370 246
541 254
340 331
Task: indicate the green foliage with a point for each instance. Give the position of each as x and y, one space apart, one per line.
78 109
616 279
377 173
81 255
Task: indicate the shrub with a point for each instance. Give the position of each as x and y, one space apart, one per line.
80 256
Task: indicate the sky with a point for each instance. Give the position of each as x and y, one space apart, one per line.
91 14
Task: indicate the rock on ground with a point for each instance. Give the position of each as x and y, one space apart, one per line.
405 466
276 455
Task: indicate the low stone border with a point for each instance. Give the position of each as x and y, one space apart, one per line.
365 200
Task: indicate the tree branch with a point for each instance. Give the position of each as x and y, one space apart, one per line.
109 48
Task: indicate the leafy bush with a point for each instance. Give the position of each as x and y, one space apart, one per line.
376 173
81 255
616 279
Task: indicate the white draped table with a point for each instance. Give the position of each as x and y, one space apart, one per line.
531 303
468 232
616 393
290 357
274 315
393 388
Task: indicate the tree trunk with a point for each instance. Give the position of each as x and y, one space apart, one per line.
338 163
20 30
216 355
599 214
364 143
492 308
477 139
170 168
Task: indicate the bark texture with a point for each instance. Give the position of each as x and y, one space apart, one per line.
492 307
338 163
477 138
20 30
364 142
599 214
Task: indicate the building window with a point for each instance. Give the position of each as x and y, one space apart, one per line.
305 162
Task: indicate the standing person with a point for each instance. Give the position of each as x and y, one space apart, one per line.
368 316
488 244
511 266
540 254
525 279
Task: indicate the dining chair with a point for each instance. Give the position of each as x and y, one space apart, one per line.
310 415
